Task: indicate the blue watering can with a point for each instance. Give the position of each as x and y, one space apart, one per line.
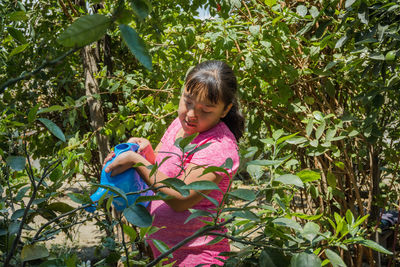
128 181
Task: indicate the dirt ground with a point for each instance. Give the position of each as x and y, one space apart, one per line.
85 237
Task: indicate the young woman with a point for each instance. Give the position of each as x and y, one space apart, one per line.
208 106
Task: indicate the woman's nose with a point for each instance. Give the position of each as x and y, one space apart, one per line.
191 113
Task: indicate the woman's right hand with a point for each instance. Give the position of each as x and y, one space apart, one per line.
142 142
145 148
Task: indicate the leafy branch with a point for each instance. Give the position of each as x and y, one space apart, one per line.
45 64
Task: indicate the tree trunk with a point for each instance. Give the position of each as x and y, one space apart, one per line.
95 108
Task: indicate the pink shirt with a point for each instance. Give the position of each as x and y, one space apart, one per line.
223 146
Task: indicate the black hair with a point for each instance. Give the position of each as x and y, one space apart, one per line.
215 80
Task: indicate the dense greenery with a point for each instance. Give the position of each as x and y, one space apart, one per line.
318 85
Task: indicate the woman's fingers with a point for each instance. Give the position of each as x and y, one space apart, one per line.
121 163
109 157
142 142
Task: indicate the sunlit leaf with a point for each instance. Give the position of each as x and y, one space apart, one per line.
375 246
202 185
301 10
244 194
142 8
308 176
85 30
286 222
34 252
53 128
18 50
138 215
305 259
136 45
17 163
334 258
290 179
161 246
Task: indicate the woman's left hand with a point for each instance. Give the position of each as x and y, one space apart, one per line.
121 163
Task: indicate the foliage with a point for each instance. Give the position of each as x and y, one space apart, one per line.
318 84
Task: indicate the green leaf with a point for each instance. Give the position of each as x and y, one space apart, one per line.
17 163
255 30
297 140
377 56
17 35
363 13
309 127
247 215
305 259
320 130
349 3
276 134
301 10
177 185
314 12
308 176
334 258
212 200
18 50
390 56
202 185
244 194
375 246
17 214
290 179
341 41
215 240
310 231
270 3
53 128
306 216
60 207
32 113
288 223
34 252
161 246
272 258
51 109
142 8
138 215
331 179
314 143
136 45
265 162
203 146
115 190
80 198
18 16
130 232
85 30
198 213
21 193
214 169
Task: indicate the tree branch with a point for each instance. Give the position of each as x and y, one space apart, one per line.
45 64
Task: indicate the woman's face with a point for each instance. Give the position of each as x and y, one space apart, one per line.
198 116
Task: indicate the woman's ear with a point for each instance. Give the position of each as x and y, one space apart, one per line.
226 110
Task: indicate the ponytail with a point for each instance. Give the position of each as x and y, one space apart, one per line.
235 120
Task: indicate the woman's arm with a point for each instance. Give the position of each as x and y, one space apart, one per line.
178 202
